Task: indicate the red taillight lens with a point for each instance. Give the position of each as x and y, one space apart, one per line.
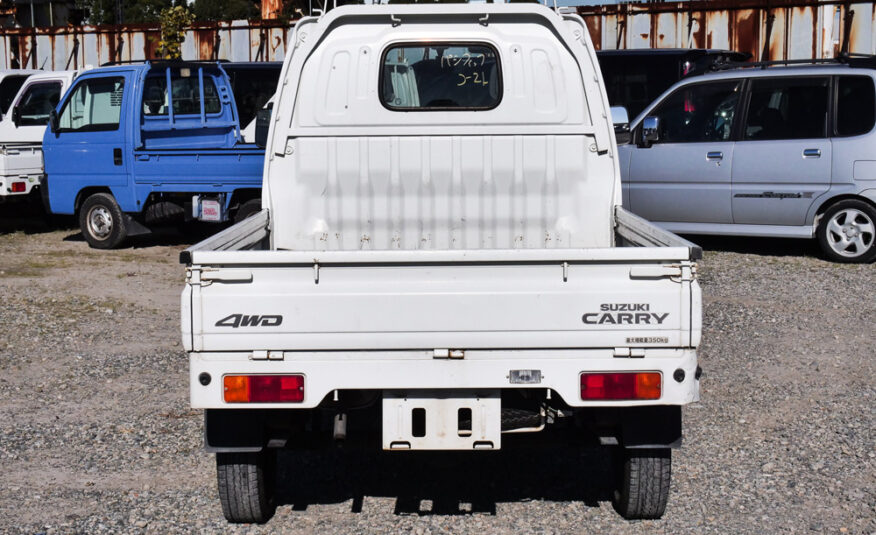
620 386
18 187
264 388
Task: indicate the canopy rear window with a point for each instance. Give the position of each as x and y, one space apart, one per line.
441 76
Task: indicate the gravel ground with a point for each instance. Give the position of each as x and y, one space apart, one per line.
96 435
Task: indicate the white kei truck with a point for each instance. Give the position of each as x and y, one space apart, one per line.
22 129
442 260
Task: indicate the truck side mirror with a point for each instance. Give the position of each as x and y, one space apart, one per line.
16 115
53 121
650 131
263 123
621 120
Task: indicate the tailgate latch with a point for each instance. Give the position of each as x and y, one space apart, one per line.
675 272
208 275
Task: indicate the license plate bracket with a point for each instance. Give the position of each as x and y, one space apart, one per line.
442 420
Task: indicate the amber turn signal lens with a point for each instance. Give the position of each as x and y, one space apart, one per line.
236 388
648 386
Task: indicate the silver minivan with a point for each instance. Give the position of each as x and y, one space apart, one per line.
784 151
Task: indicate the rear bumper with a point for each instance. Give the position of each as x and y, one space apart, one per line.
29 181
402 371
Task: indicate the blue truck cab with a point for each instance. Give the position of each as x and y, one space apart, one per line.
134 146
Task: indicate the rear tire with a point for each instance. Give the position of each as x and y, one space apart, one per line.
102 222
847 232
643 483
246 485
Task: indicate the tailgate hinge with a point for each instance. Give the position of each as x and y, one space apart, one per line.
629 352
448 354
262 354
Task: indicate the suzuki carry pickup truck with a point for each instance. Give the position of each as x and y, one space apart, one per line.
441 261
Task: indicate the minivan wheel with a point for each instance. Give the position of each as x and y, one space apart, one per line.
847 231
102 221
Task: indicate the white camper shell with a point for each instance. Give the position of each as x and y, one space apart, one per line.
22 129
442 255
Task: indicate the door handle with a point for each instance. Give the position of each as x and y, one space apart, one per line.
117 156
812 153
715 155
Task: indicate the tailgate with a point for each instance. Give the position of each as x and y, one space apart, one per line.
469 303
21 159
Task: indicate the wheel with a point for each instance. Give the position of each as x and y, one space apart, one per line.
248 209
102 221
847 231
246 485
643 483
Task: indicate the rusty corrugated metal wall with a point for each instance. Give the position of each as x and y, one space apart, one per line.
75 47
791 29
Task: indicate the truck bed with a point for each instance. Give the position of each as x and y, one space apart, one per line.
408 307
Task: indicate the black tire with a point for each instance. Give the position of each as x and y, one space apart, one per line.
846 232
643 483
102 222
247 209
246 485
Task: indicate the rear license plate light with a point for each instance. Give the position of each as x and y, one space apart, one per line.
263 388
621 386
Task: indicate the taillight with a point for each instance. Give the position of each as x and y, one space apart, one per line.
263 388
620 386
17 187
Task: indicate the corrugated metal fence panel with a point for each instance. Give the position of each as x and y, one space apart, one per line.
801 29
863 24
75 47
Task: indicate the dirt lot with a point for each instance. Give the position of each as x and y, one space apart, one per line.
96 435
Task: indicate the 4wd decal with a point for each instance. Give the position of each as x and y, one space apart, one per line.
624 314
242 320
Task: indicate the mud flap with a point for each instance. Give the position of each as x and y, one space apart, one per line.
651 427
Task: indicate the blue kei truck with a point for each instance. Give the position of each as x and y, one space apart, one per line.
130 147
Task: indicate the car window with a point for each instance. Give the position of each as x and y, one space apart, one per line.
441 76
186 93
94 105
787 108
855 105
37 103
699 113
8 89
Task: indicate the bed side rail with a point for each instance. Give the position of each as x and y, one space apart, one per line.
244 235
642 233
